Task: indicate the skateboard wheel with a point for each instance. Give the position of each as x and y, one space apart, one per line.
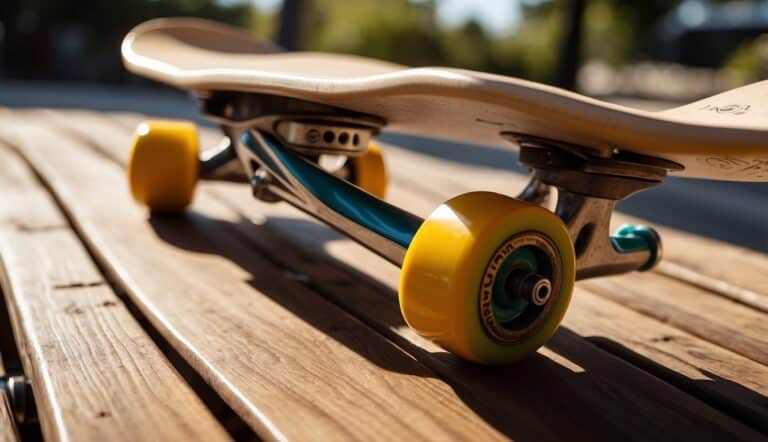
163 164
369 172
488 277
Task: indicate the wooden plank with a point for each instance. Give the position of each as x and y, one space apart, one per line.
372 303
290 363
741 280
722 378
699 312
26 207
96 374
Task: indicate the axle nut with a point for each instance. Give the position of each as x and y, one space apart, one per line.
532 287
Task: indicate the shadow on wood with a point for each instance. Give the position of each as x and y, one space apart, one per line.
529 387
739 408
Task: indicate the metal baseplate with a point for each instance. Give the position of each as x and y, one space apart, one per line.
589 184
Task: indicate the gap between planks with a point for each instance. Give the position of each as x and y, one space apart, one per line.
390 333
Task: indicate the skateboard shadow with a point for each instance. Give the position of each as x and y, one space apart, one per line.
727 396
581 392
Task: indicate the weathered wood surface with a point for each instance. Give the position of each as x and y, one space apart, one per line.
290 363
240 268
97 375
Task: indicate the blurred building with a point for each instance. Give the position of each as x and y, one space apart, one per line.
702 34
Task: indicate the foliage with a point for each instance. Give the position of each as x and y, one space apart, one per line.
406 32
402 31
750 62
396 30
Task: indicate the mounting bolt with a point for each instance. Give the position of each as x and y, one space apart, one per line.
260 182
313 136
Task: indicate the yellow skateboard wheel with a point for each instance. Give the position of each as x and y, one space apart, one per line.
458 270
163 164
369 172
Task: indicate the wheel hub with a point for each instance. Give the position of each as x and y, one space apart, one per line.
520 284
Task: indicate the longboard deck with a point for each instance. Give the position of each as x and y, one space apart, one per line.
721 137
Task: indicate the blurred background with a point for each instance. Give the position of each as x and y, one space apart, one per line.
653 54
663 49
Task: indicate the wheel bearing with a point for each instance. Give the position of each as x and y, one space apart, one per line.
540 291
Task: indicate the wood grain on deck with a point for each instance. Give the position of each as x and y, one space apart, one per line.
241 287
96 374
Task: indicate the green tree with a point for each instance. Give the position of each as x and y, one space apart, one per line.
396 30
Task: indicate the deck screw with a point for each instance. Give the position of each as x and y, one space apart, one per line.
313 136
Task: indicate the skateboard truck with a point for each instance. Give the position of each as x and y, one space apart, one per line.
589 184
326 134
280 173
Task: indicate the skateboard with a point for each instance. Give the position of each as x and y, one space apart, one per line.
486 276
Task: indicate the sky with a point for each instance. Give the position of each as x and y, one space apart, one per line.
496 16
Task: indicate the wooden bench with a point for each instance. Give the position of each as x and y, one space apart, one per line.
243 319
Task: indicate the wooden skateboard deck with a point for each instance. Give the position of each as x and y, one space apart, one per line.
721 137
